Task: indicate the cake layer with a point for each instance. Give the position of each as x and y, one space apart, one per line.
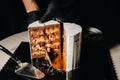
46 38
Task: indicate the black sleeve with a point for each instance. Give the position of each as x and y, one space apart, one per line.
33 16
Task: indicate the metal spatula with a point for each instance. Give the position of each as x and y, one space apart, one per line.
24 68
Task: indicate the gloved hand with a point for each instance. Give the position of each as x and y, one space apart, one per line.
53 12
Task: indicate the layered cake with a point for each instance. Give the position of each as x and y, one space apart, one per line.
45 40
55 48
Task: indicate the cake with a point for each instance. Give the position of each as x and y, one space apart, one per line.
55 47
46 39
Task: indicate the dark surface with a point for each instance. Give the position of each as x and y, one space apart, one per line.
7 73
95 64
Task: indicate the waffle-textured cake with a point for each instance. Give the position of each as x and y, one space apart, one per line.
46 39
55 47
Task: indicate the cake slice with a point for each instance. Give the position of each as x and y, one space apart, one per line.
46 38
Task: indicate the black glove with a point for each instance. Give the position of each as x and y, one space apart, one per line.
53 12
33 16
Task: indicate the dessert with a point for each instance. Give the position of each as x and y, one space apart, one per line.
46 39
55 49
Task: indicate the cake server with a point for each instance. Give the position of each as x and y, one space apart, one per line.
24 68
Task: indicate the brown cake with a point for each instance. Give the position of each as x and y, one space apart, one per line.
46 39
54 46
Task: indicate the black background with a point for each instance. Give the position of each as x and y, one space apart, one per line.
97 13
